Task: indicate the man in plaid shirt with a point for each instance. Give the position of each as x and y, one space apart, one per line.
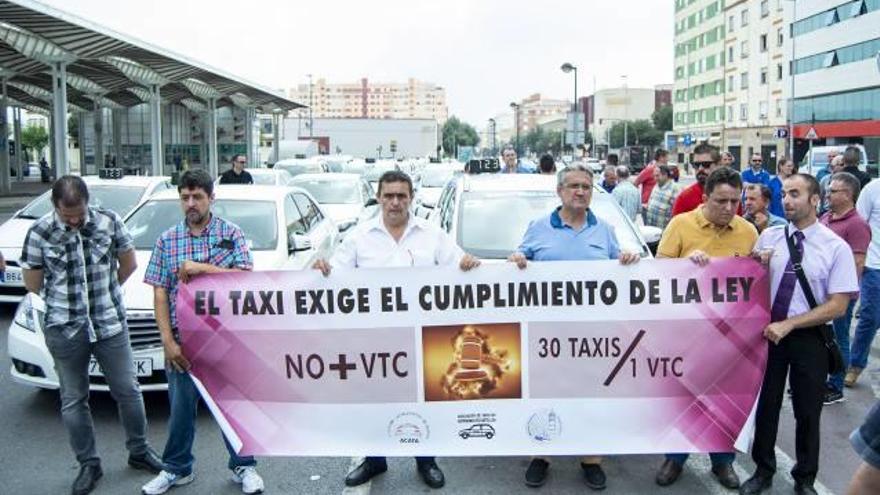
201 243
77 257
662 198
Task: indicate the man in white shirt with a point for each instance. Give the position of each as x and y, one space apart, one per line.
396 239
868 207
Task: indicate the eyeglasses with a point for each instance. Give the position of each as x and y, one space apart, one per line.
579 187
703 164
757 161
240 163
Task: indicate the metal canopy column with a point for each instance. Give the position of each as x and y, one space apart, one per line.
81 129
59 118
156 148
5 186
213 164
117 135
98 121
16 134
250 115
276 136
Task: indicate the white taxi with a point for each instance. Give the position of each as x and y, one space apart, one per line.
284 227
120 195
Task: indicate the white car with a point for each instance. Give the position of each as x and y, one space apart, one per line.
284 227
433 180
120 195
488 214
347 198
267 177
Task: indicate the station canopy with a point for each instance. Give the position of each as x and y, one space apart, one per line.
107 68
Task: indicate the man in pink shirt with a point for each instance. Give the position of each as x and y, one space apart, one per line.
842 218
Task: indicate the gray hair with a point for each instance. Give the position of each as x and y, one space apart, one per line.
622 172
574 167
508 147
850 182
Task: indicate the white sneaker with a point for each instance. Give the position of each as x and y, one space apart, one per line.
247 477
165 481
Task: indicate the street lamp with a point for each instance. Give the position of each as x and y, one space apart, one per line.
515 107
492 123
567 67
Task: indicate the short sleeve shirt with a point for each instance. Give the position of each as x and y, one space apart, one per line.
551 239
692 231
828 264
80 283
221 244
689 199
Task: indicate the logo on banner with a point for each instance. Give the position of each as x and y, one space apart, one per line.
479 430
544 426
409 427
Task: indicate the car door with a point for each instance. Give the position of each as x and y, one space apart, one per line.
317 224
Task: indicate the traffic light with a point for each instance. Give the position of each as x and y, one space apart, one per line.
393 146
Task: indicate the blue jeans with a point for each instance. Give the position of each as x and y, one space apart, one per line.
841 335
869 318
184 400
718 458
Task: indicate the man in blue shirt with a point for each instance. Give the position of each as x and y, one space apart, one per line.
570 232
756 173
510 163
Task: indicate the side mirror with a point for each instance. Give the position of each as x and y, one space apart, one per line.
371 202
298 242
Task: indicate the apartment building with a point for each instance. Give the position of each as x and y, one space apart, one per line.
364 99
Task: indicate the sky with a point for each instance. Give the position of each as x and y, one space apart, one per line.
486 53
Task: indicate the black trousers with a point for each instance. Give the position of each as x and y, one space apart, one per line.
380 461
801 355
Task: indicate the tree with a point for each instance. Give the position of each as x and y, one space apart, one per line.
638 133
662 118
35 138
457 133
539 141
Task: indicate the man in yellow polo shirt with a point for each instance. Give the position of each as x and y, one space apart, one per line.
713 230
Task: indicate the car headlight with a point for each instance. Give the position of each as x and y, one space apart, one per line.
30 312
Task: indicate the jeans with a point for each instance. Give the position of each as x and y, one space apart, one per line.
869 318
841 335
184 400
72 357
718 458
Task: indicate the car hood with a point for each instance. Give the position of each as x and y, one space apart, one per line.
12 234
429 195
341 213
137 295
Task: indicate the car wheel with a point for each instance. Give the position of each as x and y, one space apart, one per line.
490 435
463 435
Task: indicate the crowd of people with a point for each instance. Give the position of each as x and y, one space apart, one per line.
78 256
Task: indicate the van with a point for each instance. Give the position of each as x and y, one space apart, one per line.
816 160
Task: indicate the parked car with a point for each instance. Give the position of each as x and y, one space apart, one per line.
816 160
285 228
296 166
488 214
347 198
120 195
433 180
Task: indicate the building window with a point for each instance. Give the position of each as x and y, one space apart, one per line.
765 8
778 72
744 49
730 85
779 108
762 110
730 23
780 37
744 80
762 43
763 75
730 113
744 18
730 53
743 111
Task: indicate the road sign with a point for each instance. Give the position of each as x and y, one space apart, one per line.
812 134
781 132
574 129
688 140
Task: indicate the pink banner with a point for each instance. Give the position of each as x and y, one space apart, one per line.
560 358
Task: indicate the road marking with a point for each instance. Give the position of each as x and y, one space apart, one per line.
363 489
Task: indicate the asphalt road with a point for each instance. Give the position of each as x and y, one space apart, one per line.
35 457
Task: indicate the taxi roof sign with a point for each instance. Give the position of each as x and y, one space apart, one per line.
111 173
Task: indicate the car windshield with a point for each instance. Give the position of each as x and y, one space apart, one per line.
296 169
487 229
256 218
332 192
436 177
120 199
264 179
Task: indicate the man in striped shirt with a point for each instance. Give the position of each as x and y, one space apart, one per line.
627 194
659 210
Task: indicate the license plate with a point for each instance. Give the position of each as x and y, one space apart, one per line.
142 367
12 277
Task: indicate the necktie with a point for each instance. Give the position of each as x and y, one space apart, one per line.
785 292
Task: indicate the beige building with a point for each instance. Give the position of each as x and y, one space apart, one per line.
413 99
757 49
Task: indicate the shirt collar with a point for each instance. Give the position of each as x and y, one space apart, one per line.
704 222
557 223
848 214
212 224
87 226
792 229
414 222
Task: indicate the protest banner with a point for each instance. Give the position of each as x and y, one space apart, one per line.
561 358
